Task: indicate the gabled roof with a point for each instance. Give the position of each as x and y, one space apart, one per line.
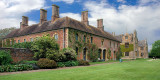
60 23
142 43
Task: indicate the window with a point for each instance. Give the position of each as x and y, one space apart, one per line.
56 36
14 41
91 39
102 42
126 53
84 38
10 42
110 44
31 39
142 48
24 40
77 50
126 45
142 54
18 41
126 37
77 37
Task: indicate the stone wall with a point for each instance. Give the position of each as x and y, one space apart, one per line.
19 54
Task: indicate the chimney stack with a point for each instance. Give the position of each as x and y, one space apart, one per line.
84 17
55 12
43 15
100 24
24 22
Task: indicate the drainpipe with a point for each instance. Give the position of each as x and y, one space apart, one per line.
63 37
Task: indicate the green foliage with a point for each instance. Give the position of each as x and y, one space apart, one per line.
14 68
118 55
45 47
92 52
155 49
45 63
4 32
70 54
67 64
23 45
130 48
5 57
109 53
83 63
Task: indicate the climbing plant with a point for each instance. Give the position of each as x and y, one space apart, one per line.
109 53
130 48
81 43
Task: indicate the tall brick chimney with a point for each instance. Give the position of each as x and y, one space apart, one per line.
43 15
84 17
55 12
100 24
24 22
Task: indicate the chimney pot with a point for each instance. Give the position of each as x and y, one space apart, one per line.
55 12
100 24
84 17
43 15
24 22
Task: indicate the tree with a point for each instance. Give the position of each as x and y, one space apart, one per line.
155 49
44 47
4 32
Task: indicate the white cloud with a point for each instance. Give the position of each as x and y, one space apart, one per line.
145 19
12 10
67 1
122 1
72 15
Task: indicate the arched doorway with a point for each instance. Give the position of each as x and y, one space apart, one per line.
84 53
99 53
104 54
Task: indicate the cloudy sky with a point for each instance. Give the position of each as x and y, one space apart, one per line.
119 16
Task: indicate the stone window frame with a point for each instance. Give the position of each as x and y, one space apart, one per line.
126 45
56 36
91 39
126 37
31 39
102 42
18 41
126 53
14 41
24 40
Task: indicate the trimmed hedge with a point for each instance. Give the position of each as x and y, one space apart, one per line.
46 63
14 68
67 64
83 63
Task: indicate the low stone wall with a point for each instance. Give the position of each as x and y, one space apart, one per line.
19 54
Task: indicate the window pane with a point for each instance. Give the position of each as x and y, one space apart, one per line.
56 36
91 39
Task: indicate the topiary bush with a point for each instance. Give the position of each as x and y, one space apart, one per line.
46 63
83 63
5 57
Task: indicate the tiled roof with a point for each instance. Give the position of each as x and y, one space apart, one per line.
60 23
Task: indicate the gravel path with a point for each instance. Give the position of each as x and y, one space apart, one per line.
19 72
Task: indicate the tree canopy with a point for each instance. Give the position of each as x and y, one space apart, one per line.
155 49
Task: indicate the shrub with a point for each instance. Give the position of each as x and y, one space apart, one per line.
83 63
69 54
46 63
23 45
45 46
93 52
13 68
5 57
67 64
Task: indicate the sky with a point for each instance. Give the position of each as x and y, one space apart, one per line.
119 16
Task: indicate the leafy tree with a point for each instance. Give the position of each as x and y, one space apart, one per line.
44 47
155 49
4 32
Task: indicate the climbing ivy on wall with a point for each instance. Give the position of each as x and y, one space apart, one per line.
80 43
130 48
8 42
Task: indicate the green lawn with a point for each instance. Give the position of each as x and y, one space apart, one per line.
132 70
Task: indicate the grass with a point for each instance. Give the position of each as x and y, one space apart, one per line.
110 61
133 70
